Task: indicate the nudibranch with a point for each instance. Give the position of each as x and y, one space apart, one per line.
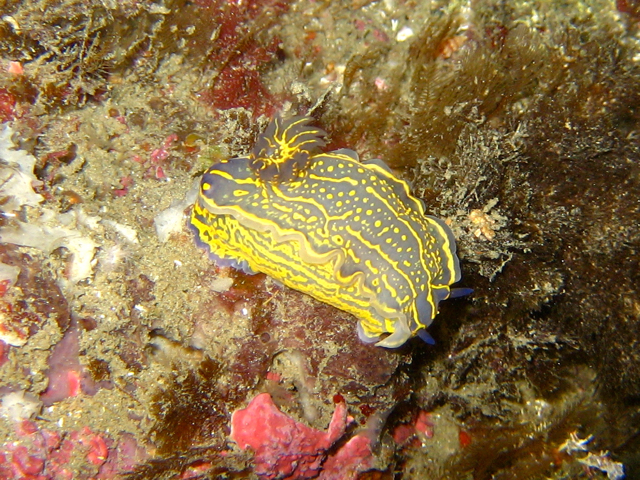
345 232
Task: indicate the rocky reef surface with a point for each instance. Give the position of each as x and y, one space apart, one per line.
126 353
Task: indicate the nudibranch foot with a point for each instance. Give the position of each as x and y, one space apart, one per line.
460 292
345 232
398 337
426 337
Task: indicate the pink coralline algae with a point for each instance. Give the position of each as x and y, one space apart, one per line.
41 454
67 376
421 428
352 458
286 449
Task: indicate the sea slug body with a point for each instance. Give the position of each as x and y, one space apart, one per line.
345 232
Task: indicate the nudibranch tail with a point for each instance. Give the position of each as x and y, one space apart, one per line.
284 149
346 232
